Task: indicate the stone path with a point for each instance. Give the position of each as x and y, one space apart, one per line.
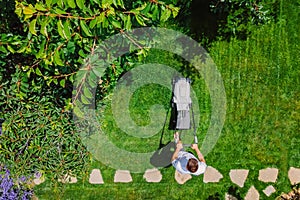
211 175
294 175
238 176
269 190
182 178
152 175
96 177
122 176
268 175
252 194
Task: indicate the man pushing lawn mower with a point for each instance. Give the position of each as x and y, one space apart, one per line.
185 162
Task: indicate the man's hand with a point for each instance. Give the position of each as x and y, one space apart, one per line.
179 145
195 146
199 154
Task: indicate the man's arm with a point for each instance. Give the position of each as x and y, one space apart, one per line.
199 154
179 146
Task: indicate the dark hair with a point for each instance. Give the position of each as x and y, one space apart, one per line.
192 165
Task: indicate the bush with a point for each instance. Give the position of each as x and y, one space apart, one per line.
236 15
38 136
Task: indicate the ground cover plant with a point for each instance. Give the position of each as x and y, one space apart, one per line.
261 78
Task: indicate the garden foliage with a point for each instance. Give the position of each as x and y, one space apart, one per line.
39 62
235 16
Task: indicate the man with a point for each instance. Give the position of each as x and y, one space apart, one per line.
185 162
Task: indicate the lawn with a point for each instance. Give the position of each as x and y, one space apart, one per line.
261 79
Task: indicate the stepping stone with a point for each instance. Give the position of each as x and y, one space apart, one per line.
238 176
252 194
182 178
294 175
269 190
122 176
230 197
152 175
96 177
268 175
212 175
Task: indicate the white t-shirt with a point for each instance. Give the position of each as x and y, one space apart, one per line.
180 163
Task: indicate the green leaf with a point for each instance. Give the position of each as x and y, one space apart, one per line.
128 23
32 27
67 30
48 3
98 71
3 49
142 7
60 3
55 81
71 47
84 100
93 23
110 11
10 49
38 72
165 15
116 23
101 18
41 53
80 3
140 20
57 59
62 82
60 29
85 28
155 14
71 3
28 17
78 112
29 10
59 11
22 48
147 8
115 3
40 7
106 3
44 27
81 53
175 11
105 23
87 92
18 11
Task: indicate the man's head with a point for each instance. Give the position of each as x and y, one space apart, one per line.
192 165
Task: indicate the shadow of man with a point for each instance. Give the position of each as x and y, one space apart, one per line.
162 157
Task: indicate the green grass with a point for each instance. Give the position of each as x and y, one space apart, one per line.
261 78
